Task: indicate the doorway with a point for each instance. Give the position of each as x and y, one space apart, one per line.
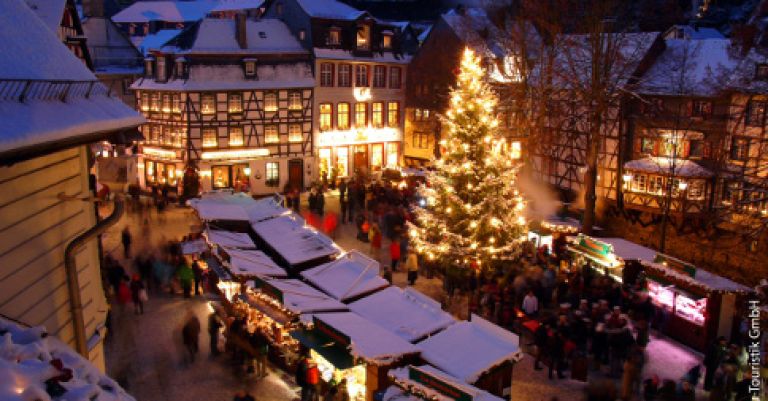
361 159
296 173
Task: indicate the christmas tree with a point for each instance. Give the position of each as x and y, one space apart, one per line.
473 212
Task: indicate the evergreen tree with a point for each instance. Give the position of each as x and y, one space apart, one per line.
473 211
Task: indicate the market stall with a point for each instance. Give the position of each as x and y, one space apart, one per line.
477 352
541 237
349 277
245 264
407 313
194 247
223 210
229 239
425 383
292 244
697 306
347 346
266 208
609 255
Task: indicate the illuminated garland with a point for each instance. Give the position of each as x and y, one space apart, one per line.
473 215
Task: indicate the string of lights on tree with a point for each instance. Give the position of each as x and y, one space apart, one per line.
473 214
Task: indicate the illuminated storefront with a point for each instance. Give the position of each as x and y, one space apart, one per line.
342 153
161 167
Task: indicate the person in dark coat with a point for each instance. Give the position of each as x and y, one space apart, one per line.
540 339
343 200
190 334
712 359
351 202
555 346
214 327
115 275
197 273
136 287
126 239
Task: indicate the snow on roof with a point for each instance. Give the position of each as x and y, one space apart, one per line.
230 77
369 341
27 360
234 5
349 276
193 247
266 208
628 250
154 40
692 32
406 313
665 165
218 209
248 262
330 9
402 375
293 240
265 36
690 67
50 12
701 278
467 350
301 298
471 25
230 239
167 11
394 393
109 48
239 206
743 77
340 54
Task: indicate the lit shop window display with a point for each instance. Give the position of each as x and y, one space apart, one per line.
691 309
355 376
661 295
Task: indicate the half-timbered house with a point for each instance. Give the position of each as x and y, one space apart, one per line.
233 100
360 84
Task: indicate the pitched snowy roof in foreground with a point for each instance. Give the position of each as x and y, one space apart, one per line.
468 349
664 165
402 378
293 240
265 36
369 341
168 11
330 9
49 11
406 313
238 206
249 262
301 298
27 361
42 118
230 239
351 275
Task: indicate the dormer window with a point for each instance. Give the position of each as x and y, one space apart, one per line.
363 37
249 65
302 34
334 36
149 67
181 67
386 42
761 72
161 76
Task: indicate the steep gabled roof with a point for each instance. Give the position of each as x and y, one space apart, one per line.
330 9
265 36
49 11
168 11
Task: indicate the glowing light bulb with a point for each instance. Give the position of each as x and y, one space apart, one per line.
473 224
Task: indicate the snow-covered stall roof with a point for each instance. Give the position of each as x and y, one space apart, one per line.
340 54
42 118
294 241
330 9
407 313
266 208
49 11
349 276
408 377
369 341
192 247
234 5
467 350
701 278
230 239
167 11
301 298
27 360
248 262
665 165
628 250
265 36
230 77
219 208
690 68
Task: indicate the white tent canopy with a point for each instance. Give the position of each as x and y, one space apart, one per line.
301 298
351 275
252 263
295 242
229 239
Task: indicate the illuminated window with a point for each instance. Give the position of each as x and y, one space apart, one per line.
395 76
363 37
417 114
271 135
755 113
739 149
515 150
149 169
145 101
379 76
236 136
209 138
270 101
325 116
220 176
361 75
175 103
250 68
156 134
393 154
377 156
235 103
166 103
326 74
655 184
294 100
294 133
273 174
701 108
345 75
181 135
377 115
334 36
361 115
386 42
208 104
154 102
638 182
342 116
167 139
393 114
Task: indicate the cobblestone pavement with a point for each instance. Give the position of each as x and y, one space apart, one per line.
143 352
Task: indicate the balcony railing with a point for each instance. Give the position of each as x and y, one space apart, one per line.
22 90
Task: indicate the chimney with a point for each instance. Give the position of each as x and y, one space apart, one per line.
240 30
93 8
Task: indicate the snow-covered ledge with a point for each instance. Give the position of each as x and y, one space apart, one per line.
35 366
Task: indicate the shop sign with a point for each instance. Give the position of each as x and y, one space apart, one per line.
676 264
356 136
594 246
439 385
330 332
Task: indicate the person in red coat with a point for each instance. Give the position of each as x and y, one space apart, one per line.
394 252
